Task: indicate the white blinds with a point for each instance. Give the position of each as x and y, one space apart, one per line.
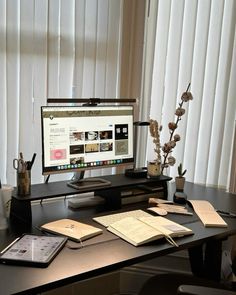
55 48
195 42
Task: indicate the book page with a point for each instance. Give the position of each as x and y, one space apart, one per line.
134 231
207 214
108 219
166 226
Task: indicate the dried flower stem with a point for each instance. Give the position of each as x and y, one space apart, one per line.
172 131
154 131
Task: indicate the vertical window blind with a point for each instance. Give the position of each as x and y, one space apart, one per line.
52 49
194 41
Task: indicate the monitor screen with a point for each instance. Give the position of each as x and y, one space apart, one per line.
77 138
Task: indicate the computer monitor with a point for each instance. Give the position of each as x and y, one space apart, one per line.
80 138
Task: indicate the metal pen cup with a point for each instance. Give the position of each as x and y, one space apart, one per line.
24 183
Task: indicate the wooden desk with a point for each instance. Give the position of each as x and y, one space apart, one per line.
106 252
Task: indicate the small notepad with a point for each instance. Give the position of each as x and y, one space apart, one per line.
72 229
207 214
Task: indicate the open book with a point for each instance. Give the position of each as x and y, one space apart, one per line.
139 231
206 212
72 229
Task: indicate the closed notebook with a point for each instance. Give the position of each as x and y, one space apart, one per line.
72 229
207 214
139 231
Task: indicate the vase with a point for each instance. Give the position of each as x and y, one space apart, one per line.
153 169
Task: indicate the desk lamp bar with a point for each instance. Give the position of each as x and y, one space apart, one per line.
91 101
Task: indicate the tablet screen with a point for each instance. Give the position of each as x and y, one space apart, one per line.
33 250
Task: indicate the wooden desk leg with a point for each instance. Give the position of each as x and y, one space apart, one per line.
205 260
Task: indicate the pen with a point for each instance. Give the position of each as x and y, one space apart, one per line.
32 161
230 214
5 249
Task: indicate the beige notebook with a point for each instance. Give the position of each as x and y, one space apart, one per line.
72 229
206 212
139 231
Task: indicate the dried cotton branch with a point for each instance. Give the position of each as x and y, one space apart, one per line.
167 148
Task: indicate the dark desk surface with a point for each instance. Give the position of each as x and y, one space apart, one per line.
106 252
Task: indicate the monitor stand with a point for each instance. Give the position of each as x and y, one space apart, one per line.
83 184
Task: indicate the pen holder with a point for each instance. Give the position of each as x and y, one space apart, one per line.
24 183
